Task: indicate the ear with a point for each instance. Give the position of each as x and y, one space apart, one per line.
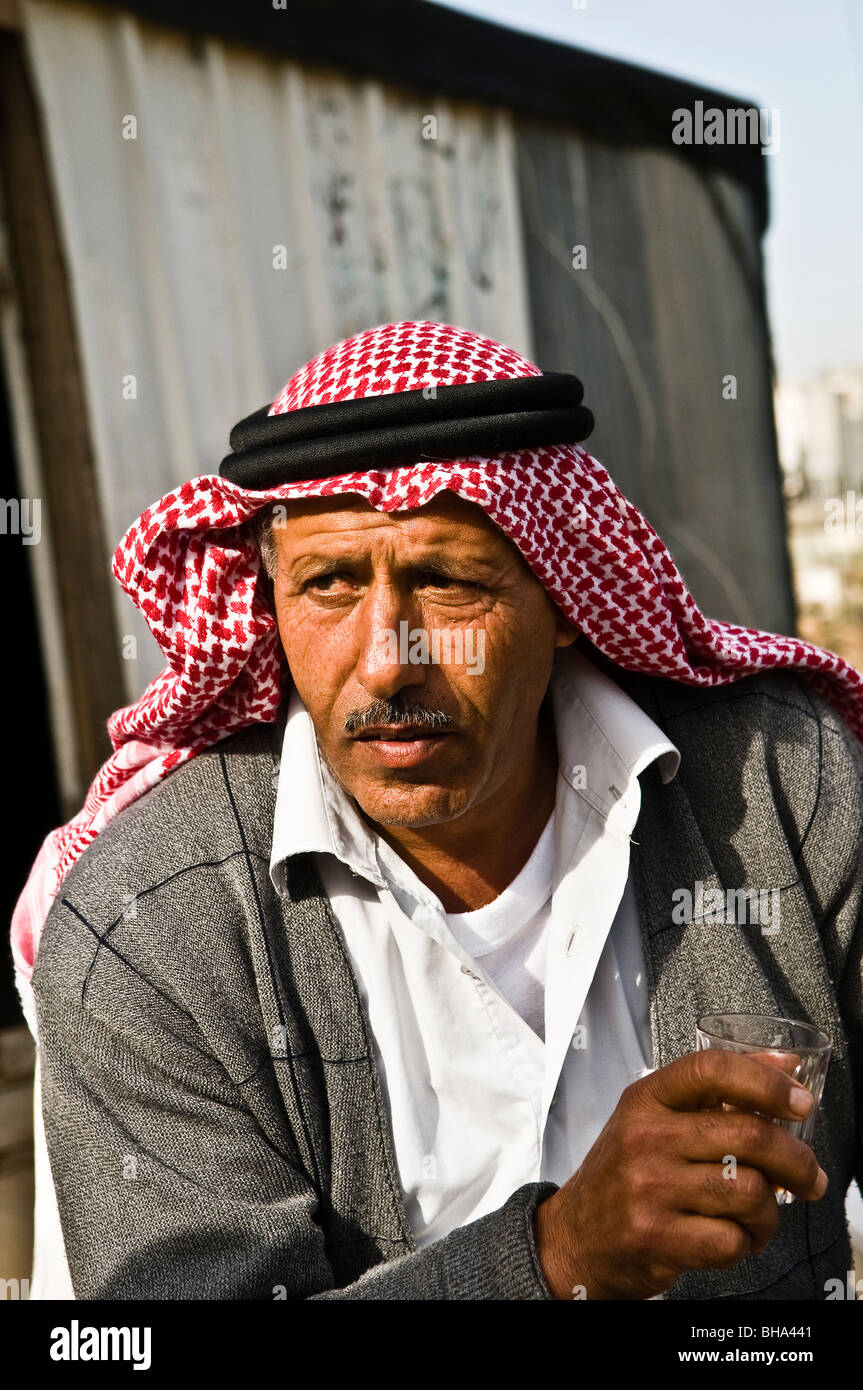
566 632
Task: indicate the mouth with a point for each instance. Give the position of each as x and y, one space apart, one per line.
401 745
401 733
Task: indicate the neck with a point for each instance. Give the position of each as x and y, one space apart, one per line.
468 862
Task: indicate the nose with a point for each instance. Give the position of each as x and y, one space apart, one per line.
385 620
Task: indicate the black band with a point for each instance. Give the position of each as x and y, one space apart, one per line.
482 418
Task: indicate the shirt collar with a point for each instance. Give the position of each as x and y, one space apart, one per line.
604 740
313 812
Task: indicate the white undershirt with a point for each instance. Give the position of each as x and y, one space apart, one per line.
509 934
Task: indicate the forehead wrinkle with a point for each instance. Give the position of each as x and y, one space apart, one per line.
349 537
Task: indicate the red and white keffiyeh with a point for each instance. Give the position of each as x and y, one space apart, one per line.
191 565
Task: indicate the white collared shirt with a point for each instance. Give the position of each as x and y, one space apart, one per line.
481 1102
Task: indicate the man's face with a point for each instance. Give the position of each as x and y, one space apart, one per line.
415 743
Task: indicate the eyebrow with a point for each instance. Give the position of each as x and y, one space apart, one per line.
308 564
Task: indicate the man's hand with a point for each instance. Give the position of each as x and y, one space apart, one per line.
651 1200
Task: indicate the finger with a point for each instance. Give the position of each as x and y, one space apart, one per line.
733 1191
705 1242
717 1136
713 1077
785 1061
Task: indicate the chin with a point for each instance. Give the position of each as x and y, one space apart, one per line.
412 806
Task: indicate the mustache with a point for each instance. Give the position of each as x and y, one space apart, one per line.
397 711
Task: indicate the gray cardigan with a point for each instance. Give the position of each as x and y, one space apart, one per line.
214 1117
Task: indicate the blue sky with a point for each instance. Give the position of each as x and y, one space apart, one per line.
804 59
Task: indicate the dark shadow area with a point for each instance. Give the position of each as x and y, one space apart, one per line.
32 805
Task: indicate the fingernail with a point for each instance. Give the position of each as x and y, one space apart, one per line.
821 1183
800 1101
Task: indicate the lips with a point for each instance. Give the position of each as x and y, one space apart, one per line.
402 747
399 733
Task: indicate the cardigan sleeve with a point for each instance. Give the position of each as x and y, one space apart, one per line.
830 859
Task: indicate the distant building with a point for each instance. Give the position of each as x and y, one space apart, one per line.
820 429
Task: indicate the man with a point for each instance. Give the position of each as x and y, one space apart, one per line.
384 996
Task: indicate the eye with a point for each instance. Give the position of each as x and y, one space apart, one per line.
322 580
446 581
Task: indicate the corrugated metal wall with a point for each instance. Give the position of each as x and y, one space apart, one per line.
265 210
261 213
667 306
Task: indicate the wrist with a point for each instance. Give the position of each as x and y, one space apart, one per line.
554 1250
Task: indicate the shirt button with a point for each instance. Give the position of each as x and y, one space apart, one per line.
465 970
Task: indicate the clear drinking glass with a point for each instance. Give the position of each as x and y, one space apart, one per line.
780 1038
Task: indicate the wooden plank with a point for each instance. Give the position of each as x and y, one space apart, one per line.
17 1056
70 500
